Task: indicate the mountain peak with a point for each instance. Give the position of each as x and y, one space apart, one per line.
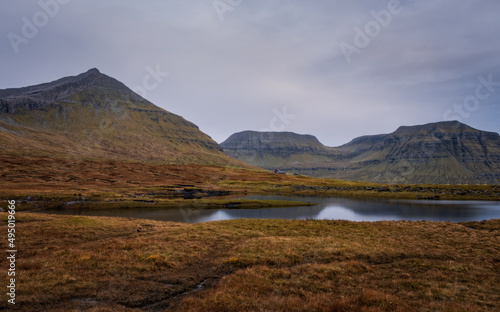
442 126
93 116
39 96
448 152
93 70
273 139
90 74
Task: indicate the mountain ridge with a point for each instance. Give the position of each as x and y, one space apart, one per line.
272 147
446 152
46 93
94 116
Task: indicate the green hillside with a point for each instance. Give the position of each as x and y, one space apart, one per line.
93 116
436 153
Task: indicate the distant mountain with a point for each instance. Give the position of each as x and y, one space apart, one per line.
93 116
277 149
436 153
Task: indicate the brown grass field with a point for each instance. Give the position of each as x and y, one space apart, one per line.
73 263
68 263
41 183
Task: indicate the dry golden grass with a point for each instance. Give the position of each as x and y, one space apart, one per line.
68 263
54 182
106 264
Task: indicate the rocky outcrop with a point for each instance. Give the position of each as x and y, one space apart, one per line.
442 153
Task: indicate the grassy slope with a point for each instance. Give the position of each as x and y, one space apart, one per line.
107 124
105 264
52 183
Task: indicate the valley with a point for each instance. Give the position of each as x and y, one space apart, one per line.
89 142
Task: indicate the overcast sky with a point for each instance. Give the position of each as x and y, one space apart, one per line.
333 69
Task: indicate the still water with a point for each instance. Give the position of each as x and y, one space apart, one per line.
328 208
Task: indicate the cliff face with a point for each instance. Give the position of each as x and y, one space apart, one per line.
271 150
432 141
93 116
442 153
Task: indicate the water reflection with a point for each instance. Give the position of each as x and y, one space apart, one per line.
327 208
409 210
306 212
175 215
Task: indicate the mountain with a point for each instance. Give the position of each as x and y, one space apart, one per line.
93 116
277 149
435 153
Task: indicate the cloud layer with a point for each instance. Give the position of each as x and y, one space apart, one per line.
275 64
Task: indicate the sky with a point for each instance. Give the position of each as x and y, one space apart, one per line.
334 69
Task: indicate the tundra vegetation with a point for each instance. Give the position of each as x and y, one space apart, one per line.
70 263
46 183
76 263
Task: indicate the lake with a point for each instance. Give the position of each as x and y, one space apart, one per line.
330 208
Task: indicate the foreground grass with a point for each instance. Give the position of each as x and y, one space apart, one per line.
68 263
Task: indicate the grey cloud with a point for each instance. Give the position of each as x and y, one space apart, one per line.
231 75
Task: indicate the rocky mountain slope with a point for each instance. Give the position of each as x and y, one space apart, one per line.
440 153
277 149
93 116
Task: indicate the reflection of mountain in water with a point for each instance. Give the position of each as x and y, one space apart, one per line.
409 210
373 209
188 215
327 208
304 212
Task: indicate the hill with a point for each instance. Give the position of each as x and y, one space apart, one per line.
93 116
435 153
277 149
